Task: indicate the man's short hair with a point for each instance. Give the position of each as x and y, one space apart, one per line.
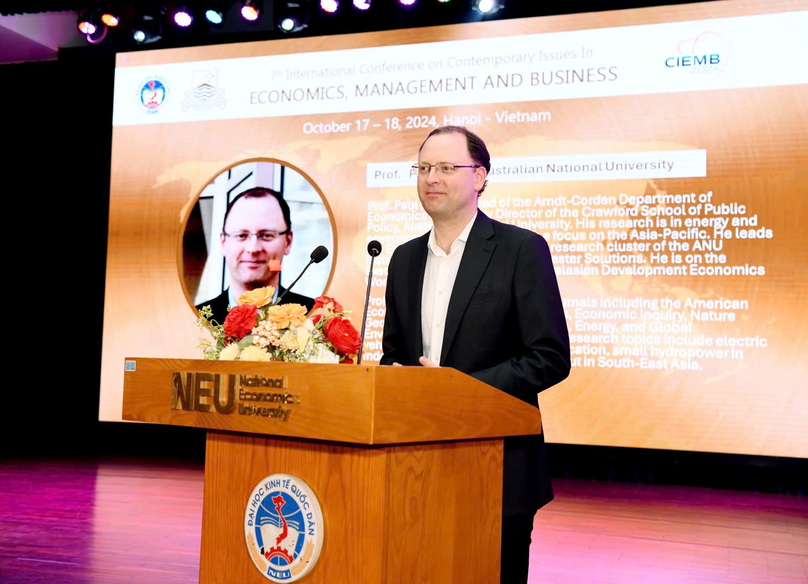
476 147
260 193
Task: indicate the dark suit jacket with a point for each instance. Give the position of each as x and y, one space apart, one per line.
505 326
219 304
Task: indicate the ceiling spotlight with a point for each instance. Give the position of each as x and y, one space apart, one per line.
487 6
214 16
183 17
148 26
249 13
293 15
88 22
329 5
215 12
362 4
407 2
251 10
111 18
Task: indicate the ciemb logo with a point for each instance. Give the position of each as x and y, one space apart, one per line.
283 528
704 54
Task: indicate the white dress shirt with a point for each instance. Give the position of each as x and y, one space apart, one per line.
439 278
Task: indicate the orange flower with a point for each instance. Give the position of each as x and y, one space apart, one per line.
286 315
258 297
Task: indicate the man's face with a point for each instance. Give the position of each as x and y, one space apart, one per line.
248 261
446 196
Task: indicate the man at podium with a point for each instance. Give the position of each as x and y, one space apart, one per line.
480 296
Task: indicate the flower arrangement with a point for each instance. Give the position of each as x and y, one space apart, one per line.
258 330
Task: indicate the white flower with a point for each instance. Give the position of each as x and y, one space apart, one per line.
288 341
303 337
254 354
265 335
230 352
321 354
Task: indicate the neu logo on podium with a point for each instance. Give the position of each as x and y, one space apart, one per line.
283 527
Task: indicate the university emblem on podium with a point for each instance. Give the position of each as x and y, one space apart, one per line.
283 527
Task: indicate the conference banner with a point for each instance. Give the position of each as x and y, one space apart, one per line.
661 152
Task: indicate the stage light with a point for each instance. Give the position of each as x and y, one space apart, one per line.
407 2
249 13
487 6
251 10
183 17
148 25
88 22
111 18
87 27
292 15
214 16
329 5
216 11
362 4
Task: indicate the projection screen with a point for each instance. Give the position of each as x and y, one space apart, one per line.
662 153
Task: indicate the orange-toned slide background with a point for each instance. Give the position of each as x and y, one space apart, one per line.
757 144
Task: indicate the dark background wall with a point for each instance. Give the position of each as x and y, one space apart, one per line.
58 131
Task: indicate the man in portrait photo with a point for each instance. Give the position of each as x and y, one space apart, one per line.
256 235
482 297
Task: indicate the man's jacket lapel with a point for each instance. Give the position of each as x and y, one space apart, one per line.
479 249
415 275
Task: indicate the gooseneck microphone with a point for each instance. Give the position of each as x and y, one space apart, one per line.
319 254
374 249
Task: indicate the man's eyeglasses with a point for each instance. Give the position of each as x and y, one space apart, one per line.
441 167
263 236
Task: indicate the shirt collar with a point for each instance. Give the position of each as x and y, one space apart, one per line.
463 238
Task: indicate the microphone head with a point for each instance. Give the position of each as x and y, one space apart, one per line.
374 248
319 254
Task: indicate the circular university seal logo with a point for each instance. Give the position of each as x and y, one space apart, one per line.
283 526
152 94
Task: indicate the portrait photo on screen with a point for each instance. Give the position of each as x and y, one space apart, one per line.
255 224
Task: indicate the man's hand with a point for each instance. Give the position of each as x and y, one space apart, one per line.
422 360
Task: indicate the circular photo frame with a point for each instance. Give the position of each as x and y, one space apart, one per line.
251 196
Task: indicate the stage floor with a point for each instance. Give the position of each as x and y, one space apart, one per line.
138 522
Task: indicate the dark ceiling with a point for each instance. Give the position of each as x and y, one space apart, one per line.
32 30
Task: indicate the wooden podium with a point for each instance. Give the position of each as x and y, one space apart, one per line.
406 462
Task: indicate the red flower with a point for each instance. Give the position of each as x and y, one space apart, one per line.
240 321
321 301
343 335
316 318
